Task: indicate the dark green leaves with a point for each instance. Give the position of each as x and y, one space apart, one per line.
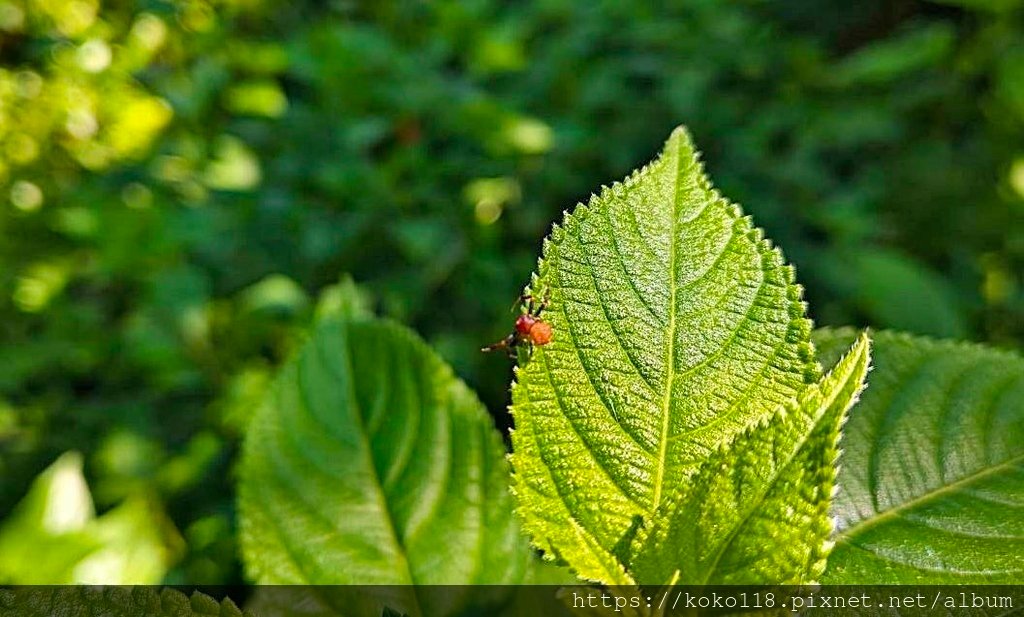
931 488
371 463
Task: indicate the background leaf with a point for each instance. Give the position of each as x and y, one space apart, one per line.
896 290
55 529
757 511
932 475
895 57
371 463
676 325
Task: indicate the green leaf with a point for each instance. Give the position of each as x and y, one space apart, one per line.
111 602
757 510
899 292
55 529
345 299
892 58
676 326
138 543
371 463
931 488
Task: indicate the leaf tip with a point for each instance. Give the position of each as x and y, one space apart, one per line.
680 138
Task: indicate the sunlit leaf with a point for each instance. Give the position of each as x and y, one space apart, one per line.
757 511
55 529
676 327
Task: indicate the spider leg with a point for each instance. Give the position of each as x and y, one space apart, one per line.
543 304
515 342
532 305
535 307
526 300
506 343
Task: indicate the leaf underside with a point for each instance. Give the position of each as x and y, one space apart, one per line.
931 486
676 326
757 511
371 464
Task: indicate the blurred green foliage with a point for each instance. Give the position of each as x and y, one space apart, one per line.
183 181
54 536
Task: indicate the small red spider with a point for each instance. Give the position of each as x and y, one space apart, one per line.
530 329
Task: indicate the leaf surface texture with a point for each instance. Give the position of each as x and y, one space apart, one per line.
931 487
371 463
676 326
757 511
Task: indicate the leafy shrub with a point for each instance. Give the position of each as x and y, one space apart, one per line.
185 179
678 429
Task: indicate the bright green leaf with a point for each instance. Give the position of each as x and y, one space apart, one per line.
47 528
257 98
371 463
676 326
931 487
234 167
137 545
54 528
757 510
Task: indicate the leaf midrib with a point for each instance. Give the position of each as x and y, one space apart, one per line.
850 533
364 437
670 356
